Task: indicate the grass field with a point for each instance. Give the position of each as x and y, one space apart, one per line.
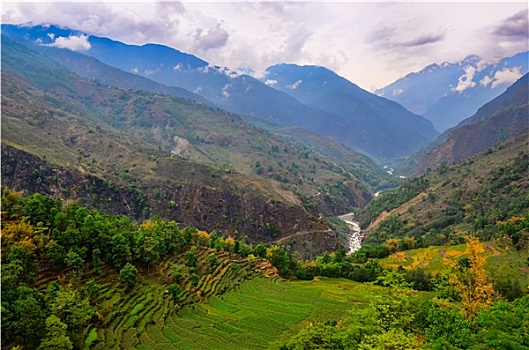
501 259
259 312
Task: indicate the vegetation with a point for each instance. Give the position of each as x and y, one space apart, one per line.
404 320
174 127
445 263
48 300
128 282
486 196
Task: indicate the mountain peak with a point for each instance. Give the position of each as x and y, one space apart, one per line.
450 92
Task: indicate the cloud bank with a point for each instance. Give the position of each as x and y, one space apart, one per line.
73 43
371 44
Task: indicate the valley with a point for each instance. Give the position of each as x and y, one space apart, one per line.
153 200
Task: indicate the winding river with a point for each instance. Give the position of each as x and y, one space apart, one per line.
356 235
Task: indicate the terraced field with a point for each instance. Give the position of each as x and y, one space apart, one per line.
126 319
259 312
255 312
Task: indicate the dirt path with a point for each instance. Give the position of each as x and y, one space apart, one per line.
301 233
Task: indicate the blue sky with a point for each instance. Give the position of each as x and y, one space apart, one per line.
369 43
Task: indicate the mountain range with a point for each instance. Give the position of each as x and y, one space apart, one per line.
448 93
139 210
247 96
365 117
502 118
142 154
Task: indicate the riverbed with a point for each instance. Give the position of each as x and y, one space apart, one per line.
354 240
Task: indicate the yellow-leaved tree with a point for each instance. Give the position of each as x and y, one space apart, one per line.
472 280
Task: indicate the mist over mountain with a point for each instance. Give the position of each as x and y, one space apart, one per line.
447 93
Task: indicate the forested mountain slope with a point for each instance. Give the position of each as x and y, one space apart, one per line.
250 97
486 195
198 133
502 118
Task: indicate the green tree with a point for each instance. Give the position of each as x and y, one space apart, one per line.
259 250
91 289
129 276
23 315
281 260
213 262
178 272
194 279
96 258
73 260
121 252
23 261
393 339
191 259
504 325
150 251
56 338
321 336
174 292
72 309
445 326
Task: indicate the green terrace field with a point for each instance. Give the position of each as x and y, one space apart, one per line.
258 312
502 259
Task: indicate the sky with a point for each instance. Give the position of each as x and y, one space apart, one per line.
370 43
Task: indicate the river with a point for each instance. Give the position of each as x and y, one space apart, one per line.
356 236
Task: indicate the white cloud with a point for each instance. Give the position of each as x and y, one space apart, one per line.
271 82
294 85
211 38
73 43
465 81
506 76
225 91
228 72
486 81
397 92
370 43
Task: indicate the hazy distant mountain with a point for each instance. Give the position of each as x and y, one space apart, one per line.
450 92
502 118
92 68
375 124
241 94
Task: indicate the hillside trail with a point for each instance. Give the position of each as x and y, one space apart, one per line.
301 233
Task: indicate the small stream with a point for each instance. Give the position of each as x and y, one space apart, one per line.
356 235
